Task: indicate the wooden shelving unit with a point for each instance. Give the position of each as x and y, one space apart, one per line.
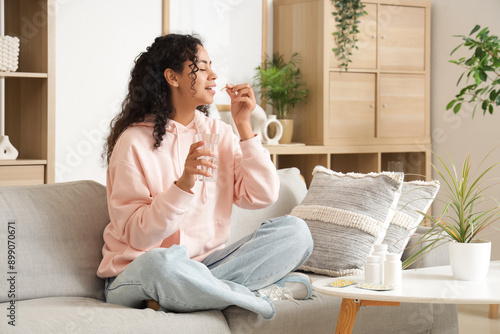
361 159
23 75
376 112
30 93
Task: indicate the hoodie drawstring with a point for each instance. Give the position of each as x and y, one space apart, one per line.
179 162
204 191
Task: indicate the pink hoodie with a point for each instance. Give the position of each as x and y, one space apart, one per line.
148 210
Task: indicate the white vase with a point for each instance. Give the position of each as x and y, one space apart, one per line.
7 150
470 261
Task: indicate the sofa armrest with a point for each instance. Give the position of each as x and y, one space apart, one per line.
436 257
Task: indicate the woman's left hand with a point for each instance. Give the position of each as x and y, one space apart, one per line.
242 105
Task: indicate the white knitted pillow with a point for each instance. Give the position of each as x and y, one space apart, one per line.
347 214
415 196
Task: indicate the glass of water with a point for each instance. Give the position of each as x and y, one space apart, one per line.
211 143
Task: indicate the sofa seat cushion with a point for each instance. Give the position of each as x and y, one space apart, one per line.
319 315
87 315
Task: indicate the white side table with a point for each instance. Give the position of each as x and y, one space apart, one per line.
424 285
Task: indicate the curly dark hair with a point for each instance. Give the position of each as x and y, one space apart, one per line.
148 91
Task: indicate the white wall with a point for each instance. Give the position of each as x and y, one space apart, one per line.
459 134
96 44
231 31
98 40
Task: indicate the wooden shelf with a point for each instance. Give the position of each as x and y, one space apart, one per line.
318 149
22 172
414 159
30 94
23 75
22 162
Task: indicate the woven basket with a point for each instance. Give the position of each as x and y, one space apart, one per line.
9 53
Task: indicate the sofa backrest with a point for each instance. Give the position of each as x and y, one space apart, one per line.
292 191
54 233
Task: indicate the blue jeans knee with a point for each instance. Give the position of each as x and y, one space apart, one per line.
295 231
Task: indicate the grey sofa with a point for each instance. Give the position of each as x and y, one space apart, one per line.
51 239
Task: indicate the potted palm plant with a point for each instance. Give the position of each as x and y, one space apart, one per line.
280 86
466 214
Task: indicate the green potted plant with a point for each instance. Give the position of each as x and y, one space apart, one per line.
467 212
280 86
347 16
481 69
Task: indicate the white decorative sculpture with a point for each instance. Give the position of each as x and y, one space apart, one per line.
7 151
271 119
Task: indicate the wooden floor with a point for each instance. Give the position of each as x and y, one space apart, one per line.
473 319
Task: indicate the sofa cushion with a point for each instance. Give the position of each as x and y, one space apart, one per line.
86 315
57 241
292 192
438 256
415 196
347 214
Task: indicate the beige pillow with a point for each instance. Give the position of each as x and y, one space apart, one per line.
347 214
415 196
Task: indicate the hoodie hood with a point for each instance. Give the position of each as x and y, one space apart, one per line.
198 123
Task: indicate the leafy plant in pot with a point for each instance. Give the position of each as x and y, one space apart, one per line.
280 86
467 212
482 68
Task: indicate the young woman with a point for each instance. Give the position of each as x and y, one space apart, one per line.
166 239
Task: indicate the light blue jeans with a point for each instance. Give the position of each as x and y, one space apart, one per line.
226 277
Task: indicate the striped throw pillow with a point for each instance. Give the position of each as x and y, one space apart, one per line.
415 196
347 214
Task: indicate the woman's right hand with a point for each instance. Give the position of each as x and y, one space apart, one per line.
188 178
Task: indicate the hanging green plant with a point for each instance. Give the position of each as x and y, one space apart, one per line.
347 16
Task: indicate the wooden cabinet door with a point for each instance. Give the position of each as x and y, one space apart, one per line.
352 105
401 38
366 55
402 106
